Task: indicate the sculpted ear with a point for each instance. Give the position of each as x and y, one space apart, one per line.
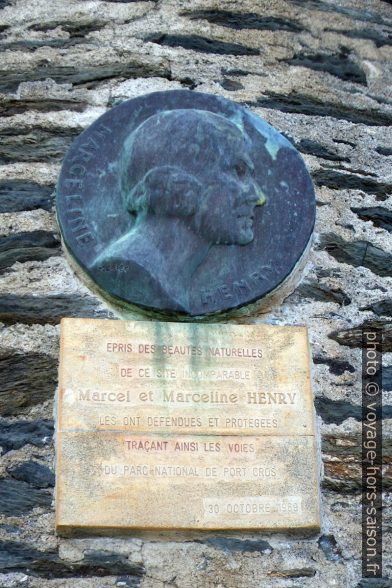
172 191
137 199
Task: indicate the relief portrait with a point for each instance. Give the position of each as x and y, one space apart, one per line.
187 179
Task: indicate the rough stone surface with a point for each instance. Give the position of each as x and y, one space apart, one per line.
39 476
320 72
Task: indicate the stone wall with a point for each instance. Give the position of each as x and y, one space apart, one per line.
320 72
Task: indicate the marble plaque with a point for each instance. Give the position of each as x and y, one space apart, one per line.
184 426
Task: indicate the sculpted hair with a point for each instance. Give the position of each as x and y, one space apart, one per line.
166 191
164 155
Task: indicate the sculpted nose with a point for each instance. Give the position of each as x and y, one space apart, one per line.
255 195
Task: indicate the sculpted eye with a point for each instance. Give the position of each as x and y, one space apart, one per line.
241 168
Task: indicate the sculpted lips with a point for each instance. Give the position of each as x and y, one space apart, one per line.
246 221
246 214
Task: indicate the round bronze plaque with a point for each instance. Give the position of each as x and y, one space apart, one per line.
184 203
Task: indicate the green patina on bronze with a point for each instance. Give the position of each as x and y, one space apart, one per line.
166 214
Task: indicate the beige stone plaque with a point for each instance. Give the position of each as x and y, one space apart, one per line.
185 426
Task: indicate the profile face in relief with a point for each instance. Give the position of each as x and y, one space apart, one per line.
187 181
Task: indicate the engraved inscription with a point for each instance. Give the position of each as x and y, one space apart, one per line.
235 289
74 186
184 426
252 505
